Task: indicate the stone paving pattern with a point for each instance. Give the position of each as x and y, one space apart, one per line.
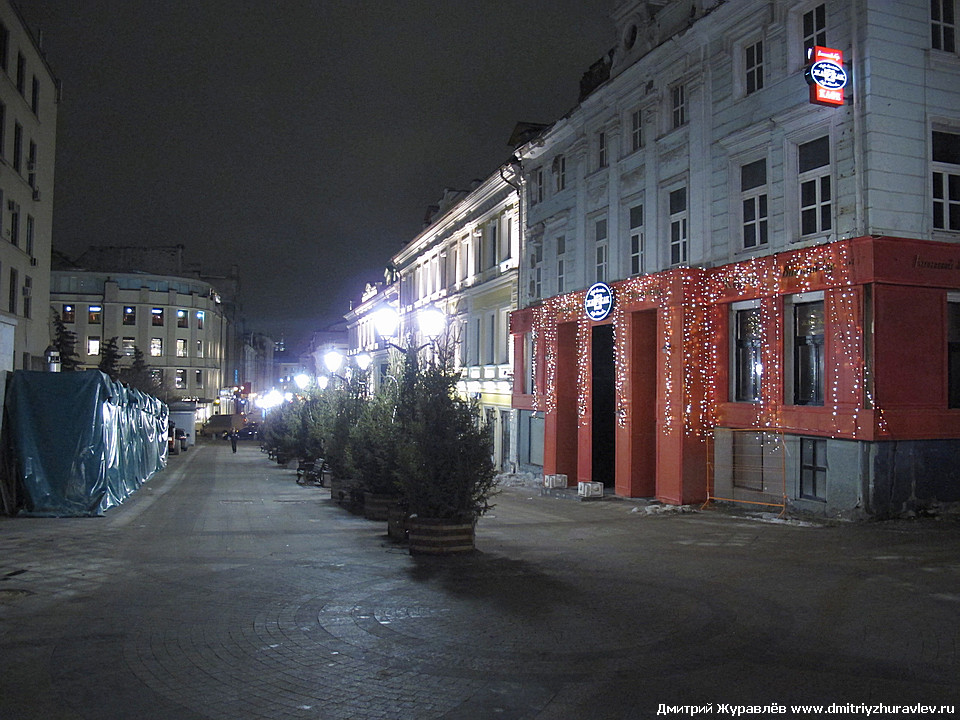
224 590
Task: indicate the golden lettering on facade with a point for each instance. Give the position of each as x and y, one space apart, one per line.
804 270
919 262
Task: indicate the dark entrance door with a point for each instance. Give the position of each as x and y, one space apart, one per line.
604 406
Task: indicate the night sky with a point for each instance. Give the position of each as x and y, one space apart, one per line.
301 140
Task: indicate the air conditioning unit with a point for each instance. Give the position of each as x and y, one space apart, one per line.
33 262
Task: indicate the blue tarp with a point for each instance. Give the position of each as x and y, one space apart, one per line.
82 443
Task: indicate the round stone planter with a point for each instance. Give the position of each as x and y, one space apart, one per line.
397 515
430 536
376 506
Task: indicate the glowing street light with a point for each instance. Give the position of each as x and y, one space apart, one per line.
333 360
386 321
322 382
363 361
302 380
432 323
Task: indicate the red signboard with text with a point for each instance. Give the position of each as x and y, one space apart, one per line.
826 76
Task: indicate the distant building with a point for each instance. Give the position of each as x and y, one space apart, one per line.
741 271
182 324
29 94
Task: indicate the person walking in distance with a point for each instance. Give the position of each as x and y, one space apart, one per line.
233 439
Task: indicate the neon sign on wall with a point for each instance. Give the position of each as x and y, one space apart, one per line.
826 76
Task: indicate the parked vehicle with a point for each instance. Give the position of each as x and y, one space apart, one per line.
250 431
220 425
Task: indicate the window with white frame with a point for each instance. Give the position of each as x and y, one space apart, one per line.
490 340
748 349
536 186
93 345
753 203
601 150
816 207
679 219
536 271
753 67
199 348
602 248
636 240
180 379
94 314
814 28
678 105
181 347
943 25
946 181
492 242
808 353
561 263
636 130
156 347
560 173
503 337
506 239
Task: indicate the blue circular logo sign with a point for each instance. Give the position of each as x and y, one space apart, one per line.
828 74
599 301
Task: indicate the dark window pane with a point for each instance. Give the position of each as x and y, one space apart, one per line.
753 175
814 154
749 210
938 186
808 193
636 216
946 147
678 201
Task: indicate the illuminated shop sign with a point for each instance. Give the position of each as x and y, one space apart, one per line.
826 76
599 301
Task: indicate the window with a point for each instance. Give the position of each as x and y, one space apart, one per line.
94 314
17 147
156 347
602 249
536 271
3 126
4 46
561 265
536 192
157 376
943 25
560 172
180 379
32 165
183 319
128 345
129 315
93 344
815 191
506 242
15 225
636 130
35 96
199 348
199 320
813 468
601 150
946 181
181 347
156 317
21 73
753 67
31 231
748 362
678 105
198 378
27 295
814 28
491 244
953 354
753 194
636 240
678 226
69 314
808 353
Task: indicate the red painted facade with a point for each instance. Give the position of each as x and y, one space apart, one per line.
885 373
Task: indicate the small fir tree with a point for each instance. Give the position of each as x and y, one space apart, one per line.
139 375
110 358
65 341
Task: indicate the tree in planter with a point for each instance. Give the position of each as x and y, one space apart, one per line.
110 358
445 463
65 341
374 444
346 401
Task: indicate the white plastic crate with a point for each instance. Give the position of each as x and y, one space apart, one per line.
590 489
555 481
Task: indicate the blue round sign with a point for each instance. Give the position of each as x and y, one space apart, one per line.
599 301
828 74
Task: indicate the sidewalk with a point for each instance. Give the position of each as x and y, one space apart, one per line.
222 589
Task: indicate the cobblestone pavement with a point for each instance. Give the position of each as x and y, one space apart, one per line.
224 590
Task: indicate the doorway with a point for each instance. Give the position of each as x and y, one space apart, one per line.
604 395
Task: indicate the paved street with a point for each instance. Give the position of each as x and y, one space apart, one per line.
224 590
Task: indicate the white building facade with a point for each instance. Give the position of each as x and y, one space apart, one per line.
29 94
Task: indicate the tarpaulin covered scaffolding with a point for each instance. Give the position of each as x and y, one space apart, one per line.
81 442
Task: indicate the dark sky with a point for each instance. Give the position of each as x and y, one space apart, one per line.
302 140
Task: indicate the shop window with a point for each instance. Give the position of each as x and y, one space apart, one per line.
94 314
183 319
748 372
156 317
129 315
953 354
808 353
69 314
813 468
816 207
946 181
